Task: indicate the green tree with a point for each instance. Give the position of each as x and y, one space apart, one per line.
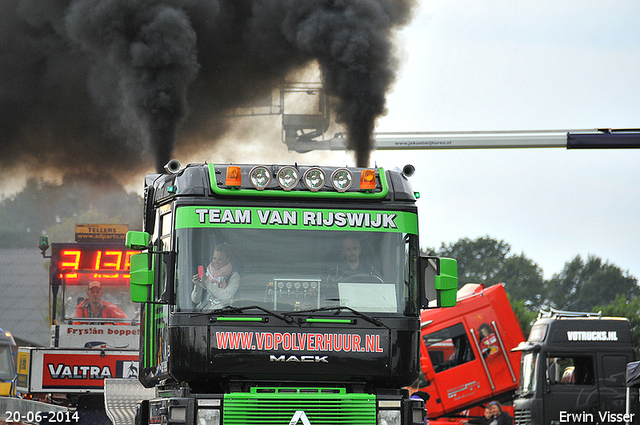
23 218
42 207
580 286
623 307
523 281
583 285
479 261
487 260
65 230
525 316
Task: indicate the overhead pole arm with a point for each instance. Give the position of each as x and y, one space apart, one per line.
570 139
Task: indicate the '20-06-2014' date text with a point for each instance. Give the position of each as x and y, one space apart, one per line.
64 417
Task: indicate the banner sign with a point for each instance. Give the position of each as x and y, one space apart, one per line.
301 342
101 232
96 336
73 371
297 218
592 336
86 370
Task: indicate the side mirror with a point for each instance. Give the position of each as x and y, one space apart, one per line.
141 279
439 281
446 283
137 240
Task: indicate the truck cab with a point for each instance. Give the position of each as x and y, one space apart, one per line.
7 363
282 293
573 369
466 355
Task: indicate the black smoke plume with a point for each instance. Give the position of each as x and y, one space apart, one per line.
103 86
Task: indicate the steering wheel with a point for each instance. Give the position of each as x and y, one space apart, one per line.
362 278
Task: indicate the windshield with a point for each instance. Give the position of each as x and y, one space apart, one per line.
99 298
7 370
528 372
294 270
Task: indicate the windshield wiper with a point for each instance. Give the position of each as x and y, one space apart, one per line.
366 317
232 309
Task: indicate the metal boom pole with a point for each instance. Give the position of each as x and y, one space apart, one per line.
569 139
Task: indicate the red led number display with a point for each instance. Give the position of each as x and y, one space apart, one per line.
90 263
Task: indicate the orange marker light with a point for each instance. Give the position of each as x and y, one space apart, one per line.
234 177
367 179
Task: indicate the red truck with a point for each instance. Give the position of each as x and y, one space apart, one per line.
466 356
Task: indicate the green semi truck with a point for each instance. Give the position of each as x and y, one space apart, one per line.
282 294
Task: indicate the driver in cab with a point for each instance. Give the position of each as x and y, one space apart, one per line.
352 264
94 306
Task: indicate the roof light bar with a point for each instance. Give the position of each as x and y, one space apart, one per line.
342 179
314 178
297 181
260 177
288 177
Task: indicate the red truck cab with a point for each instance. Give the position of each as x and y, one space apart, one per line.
466 353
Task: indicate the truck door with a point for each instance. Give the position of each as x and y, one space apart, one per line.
455 377
571 388
613 383
491 338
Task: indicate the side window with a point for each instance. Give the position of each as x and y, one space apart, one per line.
613 369
570 370
449 347
164 244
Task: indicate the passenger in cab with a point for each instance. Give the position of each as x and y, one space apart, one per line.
218 284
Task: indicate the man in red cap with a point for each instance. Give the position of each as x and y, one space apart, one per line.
93 306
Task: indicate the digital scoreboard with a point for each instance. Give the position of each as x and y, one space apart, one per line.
80 263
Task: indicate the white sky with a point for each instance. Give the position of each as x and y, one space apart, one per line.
510 65
525 65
